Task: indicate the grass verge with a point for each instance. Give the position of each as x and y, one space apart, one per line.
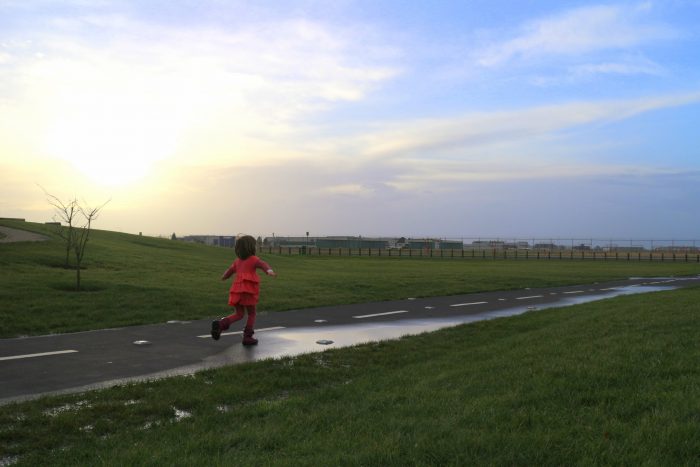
130 280
608 382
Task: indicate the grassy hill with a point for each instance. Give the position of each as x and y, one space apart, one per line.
130 279
609 382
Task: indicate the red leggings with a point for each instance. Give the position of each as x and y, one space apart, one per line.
238 315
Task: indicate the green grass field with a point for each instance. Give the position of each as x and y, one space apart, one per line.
610 382
130 280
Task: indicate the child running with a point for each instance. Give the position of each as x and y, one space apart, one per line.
244 290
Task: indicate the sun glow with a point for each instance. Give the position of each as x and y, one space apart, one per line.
112 139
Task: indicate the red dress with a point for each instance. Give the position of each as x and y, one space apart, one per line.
246 286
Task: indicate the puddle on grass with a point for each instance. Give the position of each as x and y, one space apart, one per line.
65 408
8 460
181 414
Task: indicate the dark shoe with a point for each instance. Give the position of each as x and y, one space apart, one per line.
248 338
215 330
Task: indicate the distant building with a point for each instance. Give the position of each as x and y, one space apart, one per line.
434 244
212 240
363 242
329 242
677 249
499 245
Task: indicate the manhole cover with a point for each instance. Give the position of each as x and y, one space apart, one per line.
324 342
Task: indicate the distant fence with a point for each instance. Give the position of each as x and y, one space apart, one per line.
491 253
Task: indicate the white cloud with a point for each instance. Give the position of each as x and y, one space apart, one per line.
447 176
628 66
471 135
575 32
349 189
152 92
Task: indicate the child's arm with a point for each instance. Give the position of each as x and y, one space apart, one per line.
265 267
229 272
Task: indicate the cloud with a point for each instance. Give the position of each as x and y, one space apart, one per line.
628 66
473 134
446 176
576 32
349 189
155 91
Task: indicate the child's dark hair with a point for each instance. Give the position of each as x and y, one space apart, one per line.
245 246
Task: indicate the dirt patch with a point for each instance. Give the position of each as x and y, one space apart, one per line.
16 235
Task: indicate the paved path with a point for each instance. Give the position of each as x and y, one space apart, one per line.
32 366
16 235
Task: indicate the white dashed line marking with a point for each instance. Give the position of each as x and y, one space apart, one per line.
575 291
204 336
381 314
42 354
468 304
531 296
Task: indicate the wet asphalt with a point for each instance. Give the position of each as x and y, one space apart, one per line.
66 363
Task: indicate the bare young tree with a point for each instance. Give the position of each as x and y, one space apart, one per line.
65 214
76 236
82 234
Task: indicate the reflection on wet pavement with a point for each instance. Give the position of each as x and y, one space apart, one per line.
295 341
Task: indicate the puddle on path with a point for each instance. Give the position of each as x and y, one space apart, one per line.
295 341
280 343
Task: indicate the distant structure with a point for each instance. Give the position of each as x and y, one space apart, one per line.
428 243
211 240
363 242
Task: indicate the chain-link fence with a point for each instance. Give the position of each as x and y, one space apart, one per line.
491 248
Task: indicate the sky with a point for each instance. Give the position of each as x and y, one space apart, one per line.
522 119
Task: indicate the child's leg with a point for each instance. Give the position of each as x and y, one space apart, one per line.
250 323
227 321
248 338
